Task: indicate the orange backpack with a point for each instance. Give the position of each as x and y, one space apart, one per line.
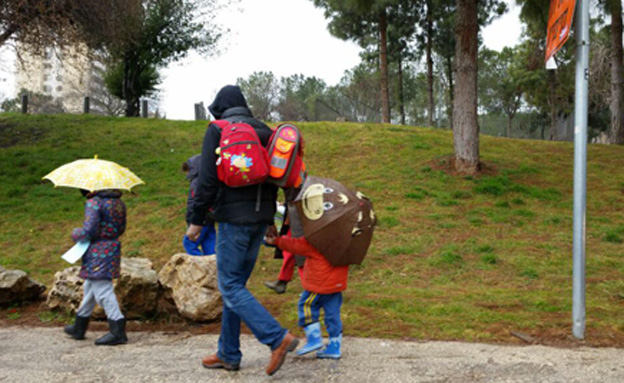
286 166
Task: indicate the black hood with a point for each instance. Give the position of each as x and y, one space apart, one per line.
193 163
229 96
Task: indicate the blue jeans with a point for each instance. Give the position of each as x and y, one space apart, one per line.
237 251
309 309
206 240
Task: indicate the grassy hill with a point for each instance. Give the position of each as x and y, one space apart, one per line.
453 257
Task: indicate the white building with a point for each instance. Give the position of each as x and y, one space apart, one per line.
67 76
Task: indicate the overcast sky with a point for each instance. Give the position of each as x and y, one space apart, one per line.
282 36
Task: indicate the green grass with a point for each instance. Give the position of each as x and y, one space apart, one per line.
54 317
489 259
453 257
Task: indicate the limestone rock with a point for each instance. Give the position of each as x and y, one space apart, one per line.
15 286
191 282
66 291
137 289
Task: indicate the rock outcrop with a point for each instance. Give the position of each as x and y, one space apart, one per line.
191 283
137 289
16 287
66 291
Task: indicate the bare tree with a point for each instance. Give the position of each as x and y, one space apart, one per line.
92 85
261 90
38 23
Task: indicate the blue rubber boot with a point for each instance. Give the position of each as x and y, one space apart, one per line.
314 339
332 351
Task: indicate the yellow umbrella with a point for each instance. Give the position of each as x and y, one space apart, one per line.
94 174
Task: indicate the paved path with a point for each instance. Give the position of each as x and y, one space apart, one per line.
44 355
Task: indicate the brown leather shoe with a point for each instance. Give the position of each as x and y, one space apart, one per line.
278 355
213 361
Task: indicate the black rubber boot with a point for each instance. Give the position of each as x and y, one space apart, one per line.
78 329
277 286
117 334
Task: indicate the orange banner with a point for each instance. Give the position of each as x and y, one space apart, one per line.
559 25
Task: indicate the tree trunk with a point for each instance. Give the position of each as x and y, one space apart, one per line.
400 88
552 88
510 113
616 134
451 94
430 103
130 79
383 63
465 123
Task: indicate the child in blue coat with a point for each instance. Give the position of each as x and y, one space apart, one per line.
208 235
104 223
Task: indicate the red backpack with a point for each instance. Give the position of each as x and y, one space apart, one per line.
286 166
242 159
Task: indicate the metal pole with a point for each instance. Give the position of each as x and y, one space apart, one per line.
144 108
87 105
580 167
24 103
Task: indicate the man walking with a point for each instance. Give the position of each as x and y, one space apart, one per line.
243 215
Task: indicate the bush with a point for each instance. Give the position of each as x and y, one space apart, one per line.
37 103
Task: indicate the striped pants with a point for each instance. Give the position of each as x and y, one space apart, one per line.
309 309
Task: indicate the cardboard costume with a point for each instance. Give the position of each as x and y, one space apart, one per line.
338 222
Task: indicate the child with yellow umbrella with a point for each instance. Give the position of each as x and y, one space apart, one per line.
100 183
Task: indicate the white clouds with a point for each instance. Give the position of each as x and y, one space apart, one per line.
505 31
282 36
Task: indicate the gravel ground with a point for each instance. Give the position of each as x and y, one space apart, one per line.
48 355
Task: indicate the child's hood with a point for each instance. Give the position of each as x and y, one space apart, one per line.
193 163
108 193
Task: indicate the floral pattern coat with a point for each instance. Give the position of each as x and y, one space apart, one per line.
105 221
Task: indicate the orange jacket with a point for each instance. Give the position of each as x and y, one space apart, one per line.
319 276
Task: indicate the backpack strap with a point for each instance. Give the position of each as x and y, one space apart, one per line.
220 124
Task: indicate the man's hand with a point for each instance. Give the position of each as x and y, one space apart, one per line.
193 232
271 231
270 239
